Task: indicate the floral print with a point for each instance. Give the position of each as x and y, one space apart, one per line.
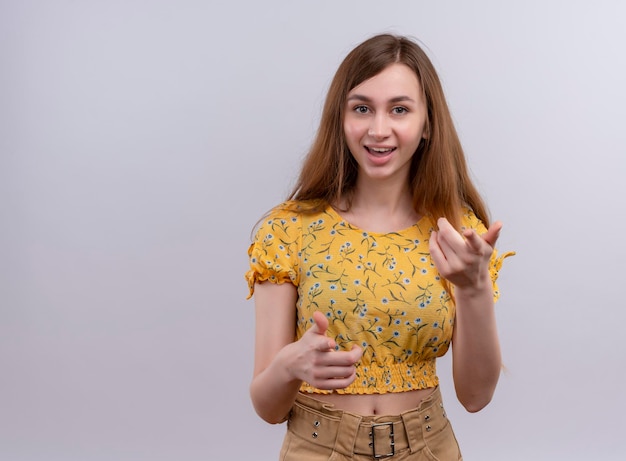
380 291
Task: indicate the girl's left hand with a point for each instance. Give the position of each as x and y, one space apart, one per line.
463 258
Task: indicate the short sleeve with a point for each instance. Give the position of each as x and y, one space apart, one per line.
274 252
495 264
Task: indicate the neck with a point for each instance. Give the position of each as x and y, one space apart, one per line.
389 196
384 206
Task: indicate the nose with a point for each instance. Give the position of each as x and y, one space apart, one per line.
379 127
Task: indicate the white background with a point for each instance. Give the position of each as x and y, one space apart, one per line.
141 140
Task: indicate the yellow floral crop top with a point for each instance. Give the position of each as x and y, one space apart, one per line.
380 291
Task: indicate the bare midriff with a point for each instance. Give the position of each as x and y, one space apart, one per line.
375 404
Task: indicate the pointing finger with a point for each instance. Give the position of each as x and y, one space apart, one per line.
473 239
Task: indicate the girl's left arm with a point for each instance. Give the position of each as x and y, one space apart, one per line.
463 259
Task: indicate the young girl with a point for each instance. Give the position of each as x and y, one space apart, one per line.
381 259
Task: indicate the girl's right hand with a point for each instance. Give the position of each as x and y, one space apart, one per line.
313 358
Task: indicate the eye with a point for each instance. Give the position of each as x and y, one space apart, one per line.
399 110
361 109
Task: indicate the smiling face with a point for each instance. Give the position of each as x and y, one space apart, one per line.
384 122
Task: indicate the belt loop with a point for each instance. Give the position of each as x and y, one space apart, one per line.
417 421
347 433
413 427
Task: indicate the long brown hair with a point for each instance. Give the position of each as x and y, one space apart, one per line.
438 176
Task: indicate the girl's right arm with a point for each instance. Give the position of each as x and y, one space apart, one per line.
280 364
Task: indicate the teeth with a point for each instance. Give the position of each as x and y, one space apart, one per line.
381 150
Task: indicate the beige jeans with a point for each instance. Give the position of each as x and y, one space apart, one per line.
318 432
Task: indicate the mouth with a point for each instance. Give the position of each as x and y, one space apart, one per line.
380 151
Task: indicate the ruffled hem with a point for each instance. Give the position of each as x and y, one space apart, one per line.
253 277
496 263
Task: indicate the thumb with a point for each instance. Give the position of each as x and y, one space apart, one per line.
320 323
357 352
492 234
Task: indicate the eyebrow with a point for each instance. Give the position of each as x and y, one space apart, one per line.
360 97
